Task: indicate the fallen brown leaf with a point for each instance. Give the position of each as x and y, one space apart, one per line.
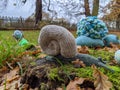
83 49
113 62
42 55
115 47
101 82
77 63
11 86
12 75
59 89
25 87
12 79
73 85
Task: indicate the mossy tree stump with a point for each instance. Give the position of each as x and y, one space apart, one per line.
37 75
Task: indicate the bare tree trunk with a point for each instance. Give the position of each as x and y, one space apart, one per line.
10 22
54 13
49 6
118 22
95 8
22 24
87 8
38 11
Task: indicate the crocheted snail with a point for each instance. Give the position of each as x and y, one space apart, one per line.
58 42
55 40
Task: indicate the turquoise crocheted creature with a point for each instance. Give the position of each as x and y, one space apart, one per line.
111 38
92 27
90 42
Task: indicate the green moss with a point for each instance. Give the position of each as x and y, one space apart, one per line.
105 55
87 72
80 72
53 74
68 70
113 77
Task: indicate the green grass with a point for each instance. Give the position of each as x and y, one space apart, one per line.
32 36
9 48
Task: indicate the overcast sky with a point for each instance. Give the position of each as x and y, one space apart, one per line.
16 9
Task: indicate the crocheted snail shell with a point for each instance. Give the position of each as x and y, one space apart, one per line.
56 40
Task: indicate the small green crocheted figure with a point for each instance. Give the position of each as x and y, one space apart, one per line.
23 41
18 35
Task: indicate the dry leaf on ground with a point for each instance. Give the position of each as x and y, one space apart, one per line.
83 49
101 82
73 85
11 79
77 63
59 89
113 48
42 55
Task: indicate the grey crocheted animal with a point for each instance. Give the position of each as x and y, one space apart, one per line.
56 40
60 43
90 60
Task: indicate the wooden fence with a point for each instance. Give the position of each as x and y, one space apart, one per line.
16 23
7 23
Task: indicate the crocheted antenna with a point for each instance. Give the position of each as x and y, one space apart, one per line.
55 40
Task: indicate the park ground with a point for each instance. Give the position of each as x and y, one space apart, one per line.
13 60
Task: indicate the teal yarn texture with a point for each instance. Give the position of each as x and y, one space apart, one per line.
92 27
87 41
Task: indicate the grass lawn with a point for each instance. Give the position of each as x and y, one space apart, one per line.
31 36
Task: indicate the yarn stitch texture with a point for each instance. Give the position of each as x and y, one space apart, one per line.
92 27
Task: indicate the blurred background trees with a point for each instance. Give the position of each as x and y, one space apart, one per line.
71 11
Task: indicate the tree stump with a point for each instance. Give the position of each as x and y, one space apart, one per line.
36 76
